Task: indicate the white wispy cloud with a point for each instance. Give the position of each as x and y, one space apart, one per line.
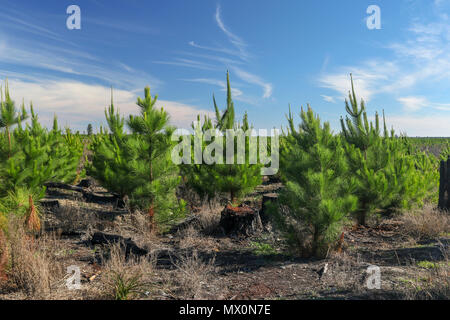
44 58
413 103
222 84
218 49
423 126
240 44
423 59
254 79
76 103
182 62
236 59
328 98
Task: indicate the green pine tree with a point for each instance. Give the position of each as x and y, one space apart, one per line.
32 156
138 165
317 194
9 116
388 175
235 179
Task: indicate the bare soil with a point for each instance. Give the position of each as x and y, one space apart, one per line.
256 267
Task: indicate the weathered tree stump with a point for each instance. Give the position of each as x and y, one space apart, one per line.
265 209
128 244
88 196
444 185
63 186
86 183
240 221
49 204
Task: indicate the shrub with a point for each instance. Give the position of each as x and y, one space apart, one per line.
30 268
428 223
237 179
138 165
314 168
33 156
387 173
125 275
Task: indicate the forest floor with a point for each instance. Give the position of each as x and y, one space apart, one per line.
195 262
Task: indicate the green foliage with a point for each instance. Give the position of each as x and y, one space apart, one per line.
125 287
9 116
33 155
389 175
138 165
237 179
445 153
16 202
317 193
263 249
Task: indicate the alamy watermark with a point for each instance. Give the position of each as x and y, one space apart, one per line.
74 20
257 148
374 20
374 279
73 282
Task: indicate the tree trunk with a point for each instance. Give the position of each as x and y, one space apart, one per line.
151 210
265 212
362 218
9 141
315 245
151 215
233 198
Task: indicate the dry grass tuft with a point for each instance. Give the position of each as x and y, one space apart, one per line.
209 215
3 256
32 267
71 218
193 274
433 283
126 277
191 237
428 223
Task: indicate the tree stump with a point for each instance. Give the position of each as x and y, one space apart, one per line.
126 243
444 185
86 183
49 204
265 210
240 221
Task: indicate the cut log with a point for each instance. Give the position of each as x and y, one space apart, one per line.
64 186
129 245
240 221
49 203
192 220
86 183
265 209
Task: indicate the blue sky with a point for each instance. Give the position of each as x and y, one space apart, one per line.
278 53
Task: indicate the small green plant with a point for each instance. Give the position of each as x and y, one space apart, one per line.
427 264
127 286
431 265
263 249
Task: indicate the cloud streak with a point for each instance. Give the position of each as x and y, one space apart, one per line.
76 103
422 60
